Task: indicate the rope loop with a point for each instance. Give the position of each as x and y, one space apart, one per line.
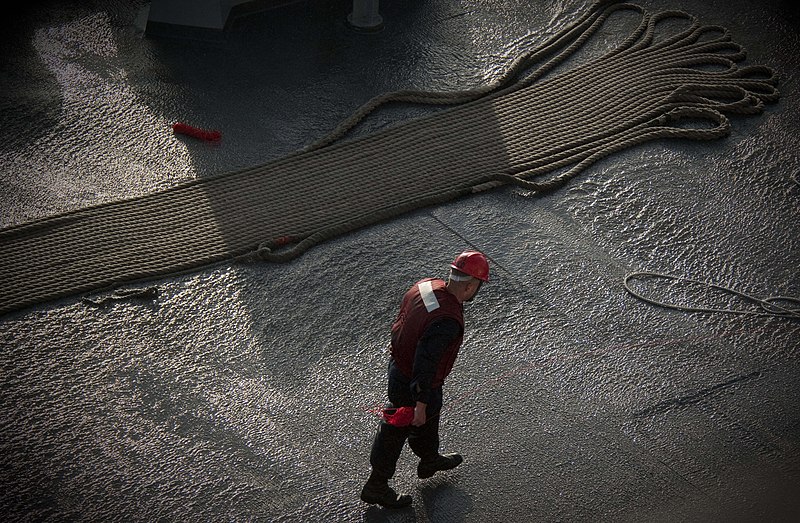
689 115
736 51
725 34
721 97
774 306
649 42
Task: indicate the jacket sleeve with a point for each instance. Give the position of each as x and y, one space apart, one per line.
430 348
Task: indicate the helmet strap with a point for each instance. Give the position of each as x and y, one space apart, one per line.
459 277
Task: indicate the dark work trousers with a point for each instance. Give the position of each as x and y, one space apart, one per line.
389 440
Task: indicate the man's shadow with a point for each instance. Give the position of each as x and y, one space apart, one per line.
434 500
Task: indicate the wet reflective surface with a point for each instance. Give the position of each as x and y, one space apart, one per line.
242 392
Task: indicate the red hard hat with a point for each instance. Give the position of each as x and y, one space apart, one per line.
473 263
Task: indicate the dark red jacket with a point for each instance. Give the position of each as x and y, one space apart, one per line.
425 302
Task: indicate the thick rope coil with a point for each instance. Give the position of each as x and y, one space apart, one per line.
775 306
537 125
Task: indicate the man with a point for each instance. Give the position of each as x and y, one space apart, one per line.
426 337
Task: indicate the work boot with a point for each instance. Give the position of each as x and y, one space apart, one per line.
380 493
426 469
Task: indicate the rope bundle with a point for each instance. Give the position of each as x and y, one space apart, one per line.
517 129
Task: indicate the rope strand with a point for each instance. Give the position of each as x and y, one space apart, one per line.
774 306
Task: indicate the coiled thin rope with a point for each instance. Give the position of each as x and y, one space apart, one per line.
775 306
532 127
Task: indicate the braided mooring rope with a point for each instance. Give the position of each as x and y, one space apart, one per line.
514 130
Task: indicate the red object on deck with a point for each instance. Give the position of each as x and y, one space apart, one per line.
196 132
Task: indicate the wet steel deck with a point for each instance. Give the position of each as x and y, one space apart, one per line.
241 392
